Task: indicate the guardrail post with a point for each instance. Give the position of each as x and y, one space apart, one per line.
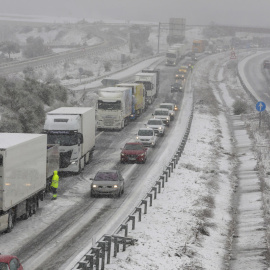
155 192
90 259
125 227
132 218
150 195
182 146
145 206
169 169
166 173
108 238
97 251
159 186
139 209
83 265
124 243
174 161
162 178
102 244
171 164
115 246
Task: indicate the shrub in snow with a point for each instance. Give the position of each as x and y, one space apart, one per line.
146 51
67 77
9 124
29 72
35 47
239 107
107 66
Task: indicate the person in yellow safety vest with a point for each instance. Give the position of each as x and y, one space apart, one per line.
54 185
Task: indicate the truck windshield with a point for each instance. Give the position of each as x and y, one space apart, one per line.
109 105
170 55
147 85
63 139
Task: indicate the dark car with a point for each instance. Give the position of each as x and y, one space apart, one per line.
176 87
133 152
107 182
9 262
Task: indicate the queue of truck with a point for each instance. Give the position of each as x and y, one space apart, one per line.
66 144
119 104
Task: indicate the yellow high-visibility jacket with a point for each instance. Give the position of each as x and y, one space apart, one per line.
55 180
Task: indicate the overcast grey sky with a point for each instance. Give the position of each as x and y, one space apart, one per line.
233 12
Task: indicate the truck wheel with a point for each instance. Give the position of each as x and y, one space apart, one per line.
28 212
10 221
34 206
79 167
87 159
126 121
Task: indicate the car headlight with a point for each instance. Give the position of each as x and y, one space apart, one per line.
141 155
160 128
167 118
137 137
171 114
122 154
115 186
94 186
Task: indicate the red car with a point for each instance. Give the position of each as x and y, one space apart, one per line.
9 262
133 152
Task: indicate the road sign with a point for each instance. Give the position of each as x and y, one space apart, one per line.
260 106
233 55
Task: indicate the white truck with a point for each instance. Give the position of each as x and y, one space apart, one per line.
172 57
174 54
181 50
22 176
114 107
73 128
157 72
149 81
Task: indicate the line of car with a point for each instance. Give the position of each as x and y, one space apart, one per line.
147 136
111 182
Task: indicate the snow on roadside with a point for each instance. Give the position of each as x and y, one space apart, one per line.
188 224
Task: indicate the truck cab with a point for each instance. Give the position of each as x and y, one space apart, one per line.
149 81
73 129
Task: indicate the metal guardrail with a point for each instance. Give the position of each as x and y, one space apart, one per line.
111 73
109 245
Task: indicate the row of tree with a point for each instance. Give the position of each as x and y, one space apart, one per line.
23 103
34 47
